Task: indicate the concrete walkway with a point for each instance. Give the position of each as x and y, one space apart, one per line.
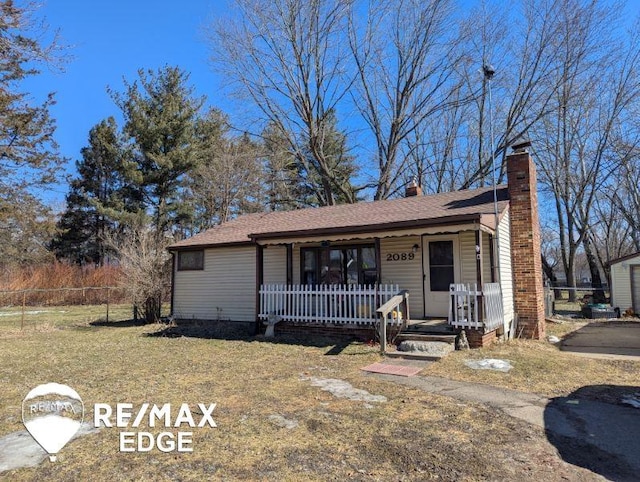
598 436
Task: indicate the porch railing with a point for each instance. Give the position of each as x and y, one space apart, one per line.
340 304
493 308
472 308
389 315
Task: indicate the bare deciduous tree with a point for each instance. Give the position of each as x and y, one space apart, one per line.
228 182
146 268
597 85
286 57
405 59
625 195
525 46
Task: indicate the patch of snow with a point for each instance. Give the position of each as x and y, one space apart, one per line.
489 364
32 312
553 339
342 389
633 400
282 422
19 449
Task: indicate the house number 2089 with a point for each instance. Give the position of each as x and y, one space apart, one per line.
400 256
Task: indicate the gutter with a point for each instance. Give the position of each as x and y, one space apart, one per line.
367 228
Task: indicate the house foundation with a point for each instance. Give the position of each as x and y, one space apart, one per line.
314 330
480 339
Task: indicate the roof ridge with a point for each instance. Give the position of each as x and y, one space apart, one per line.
426 209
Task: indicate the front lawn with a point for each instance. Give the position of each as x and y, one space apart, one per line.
540 367
261 388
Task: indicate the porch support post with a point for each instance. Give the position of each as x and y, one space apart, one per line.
289 264
259 281
378 261
383 334
479 272
492 258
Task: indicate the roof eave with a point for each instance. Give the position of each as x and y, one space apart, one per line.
624 258
197 247
369 228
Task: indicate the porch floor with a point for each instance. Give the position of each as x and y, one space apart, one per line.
435 330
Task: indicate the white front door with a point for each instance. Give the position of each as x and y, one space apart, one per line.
441 261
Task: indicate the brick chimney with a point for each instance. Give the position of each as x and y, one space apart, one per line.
413 189
526 259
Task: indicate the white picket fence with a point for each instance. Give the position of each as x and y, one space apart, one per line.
340 304
464 302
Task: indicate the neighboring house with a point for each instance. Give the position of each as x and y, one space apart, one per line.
330 268
625 283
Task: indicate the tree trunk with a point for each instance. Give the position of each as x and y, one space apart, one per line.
553 279
571 279
596 279
152 306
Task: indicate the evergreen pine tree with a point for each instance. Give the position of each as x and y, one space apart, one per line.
98 199
161 112
28 152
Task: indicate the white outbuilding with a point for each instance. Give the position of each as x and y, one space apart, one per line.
625 283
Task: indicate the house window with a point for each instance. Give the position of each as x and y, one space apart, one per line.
441 272
190 260
339 265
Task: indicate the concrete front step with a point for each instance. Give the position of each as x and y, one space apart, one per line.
412 355
422 350
446 338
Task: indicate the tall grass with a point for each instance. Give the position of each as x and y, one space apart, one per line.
52 283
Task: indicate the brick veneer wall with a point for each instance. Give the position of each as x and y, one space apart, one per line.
526 260
312 330
479 339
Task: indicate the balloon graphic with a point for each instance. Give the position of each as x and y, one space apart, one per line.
52 413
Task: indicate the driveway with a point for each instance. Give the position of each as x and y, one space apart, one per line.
613 339
601 437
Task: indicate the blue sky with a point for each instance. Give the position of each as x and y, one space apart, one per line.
111 41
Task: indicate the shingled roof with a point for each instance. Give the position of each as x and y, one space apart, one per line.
474 205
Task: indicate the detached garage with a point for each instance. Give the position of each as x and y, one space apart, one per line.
625 283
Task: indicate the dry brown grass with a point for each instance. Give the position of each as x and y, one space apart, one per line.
45 318
413 436
55 276
540 367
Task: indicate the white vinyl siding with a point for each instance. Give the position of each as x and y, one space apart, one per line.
506 274
468 257
406 274
274 267
224 290
468 267
625 276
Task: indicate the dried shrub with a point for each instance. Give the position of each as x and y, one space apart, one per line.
60 283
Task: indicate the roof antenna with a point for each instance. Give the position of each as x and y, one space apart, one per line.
489 72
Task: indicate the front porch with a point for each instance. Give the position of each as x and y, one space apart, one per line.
380 309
